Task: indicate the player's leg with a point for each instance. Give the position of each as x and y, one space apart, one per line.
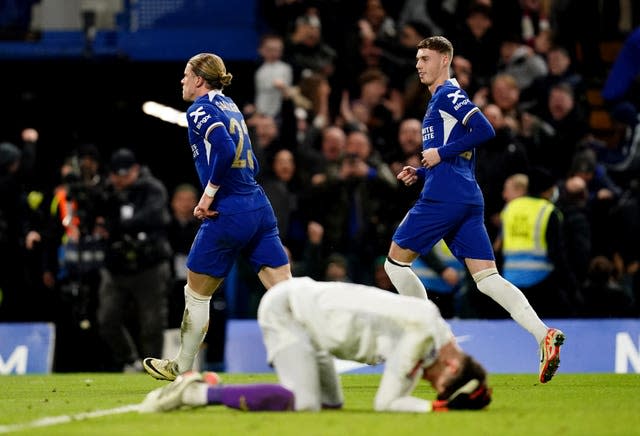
513 300
194 326
289 348
398 268
330 386
212 261
297 370
472 243
192 389
424 225
266 253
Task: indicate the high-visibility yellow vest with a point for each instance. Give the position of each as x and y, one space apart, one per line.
524 244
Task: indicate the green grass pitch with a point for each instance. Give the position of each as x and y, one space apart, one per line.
571 404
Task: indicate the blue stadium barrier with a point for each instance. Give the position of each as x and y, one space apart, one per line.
592 346
155 30
26 348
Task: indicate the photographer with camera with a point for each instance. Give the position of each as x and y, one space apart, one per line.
73 253
137 269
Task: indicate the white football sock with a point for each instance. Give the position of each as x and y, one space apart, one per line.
195 322
504 293
404 279
195 394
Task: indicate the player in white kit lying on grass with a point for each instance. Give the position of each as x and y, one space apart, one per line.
306 324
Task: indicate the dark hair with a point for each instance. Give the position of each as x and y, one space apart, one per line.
420 27
372 75
470 369
438 43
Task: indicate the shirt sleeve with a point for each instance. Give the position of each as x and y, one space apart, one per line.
479 130
403 371
222 153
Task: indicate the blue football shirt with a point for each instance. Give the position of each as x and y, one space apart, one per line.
222 152
453 179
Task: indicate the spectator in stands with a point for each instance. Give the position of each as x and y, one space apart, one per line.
521 61
265 137
567 19
351 204
559 133
504 93
332 144
576 225
477 41
625 239
337 269
602 195
374 111
498 158
305 49
311 263
604 296
283 189
272 74
560 71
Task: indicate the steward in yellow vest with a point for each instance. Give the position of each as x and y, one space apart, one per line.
533 250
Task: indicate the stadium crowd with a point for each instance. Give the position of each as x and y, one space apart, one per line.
336 115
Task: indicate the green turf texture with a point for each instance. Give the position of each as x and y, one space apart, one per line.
571 404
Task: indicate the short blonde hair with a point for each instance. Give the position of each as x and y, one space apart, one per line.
519 181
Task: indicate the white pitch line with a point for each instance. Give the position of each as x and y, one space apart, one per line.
62 419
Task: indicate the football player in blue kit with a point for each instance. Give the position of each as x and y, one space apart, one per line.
451 205
237 217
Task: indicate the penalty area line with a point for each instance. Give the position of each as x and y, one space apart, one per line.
62 419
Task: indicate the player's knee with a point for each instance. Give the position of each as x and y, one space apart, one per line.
392 266
380 404
306 403
485 279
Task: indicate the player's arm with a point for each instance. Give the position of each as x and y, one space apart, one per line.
394 393
403 371
222 154
479 130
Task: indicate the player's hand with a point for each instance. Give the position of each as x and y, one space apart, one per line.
430 157
407 175
201 213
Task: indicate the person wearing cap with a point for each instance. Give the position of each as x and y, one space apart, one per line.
307 324
137 269
533 248
237 217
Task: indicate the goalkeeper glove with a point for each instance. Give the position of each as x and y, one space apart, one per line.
472 396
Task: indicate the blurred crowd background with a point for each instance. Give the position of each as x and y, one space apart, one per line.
96 197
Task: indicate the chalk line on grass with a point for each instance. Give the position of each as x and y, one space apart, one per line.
62 419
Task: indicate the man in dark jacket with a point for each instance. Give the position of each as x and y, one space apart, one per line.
137 270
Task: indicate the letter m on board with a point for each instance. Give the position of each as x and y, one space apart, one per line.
17 361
